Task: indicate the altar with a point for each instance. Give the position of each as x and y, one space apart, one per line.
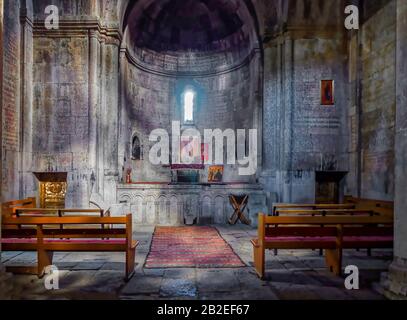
180 204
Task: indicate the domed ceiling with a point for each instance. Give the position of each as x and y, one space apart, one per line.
182 25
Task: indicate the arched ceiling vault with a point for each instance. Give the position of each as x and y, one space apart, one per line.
191 25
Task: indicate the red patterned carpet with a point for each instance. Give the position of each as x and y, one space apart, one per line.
200 247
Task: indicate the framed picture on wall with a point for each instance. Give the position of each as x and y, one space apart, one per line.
215 174
327 92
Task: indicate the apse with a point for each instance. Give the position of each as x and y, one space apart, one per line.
192 61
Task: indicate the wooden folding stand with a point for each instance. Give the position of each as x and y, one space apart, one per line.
239 204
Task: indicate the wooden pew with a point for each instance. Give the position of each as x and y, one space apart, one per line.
325 212
310 206
7 208
19 211
385 208
47 237
338 233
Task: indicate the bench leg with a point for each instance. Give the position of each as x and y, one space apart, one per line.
333 258
130 261
44 260
259 257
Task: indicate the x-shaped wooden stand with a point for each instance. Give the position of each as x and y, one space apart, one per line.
239 209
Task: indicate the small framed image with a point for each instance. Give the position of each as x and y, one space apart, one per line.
327 92
215 174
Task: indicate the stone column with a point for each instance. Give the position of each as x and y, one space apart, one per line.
93 105
110 116
27 180
271 119
395 283
5 279
123 134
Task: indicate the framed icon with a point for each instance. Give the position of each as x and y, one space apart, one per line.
215 174
327 92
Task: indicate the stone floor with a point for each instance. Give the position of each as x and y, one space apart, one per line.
291 275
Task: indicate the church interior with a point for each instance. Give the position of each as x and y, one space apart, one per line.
203 149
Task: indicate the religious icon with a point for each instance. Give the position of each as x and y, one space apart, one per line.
327 93
215 174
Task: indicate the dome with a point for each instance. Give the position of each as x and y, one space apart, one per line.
189 25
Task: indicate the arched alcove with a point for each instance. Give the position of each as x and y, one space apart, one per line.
208 47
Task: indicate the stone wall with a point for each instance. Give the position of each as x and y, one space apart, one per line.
76 99
67 8
11 102
372 113
60 116
300 135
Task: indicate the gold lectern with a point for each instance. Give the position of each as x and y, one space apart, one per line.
52 189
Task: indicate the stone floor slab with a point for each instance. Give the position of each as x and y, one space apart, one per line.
142 285
217 281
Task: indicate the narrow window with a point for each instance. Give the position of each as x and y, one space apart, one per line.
189 98
136 149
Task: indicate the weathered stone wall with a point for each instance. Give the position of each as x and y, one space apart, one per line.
401 136
73 8
60 116
11 101
300 135
372 113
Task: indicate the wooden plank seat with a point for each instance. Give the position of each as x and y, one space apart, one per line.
338 233
48 237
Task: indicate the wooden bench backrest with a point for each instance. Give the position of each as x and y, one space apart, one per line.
323 226
286 206
324 212
385 208
8 207
45 211
51 227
